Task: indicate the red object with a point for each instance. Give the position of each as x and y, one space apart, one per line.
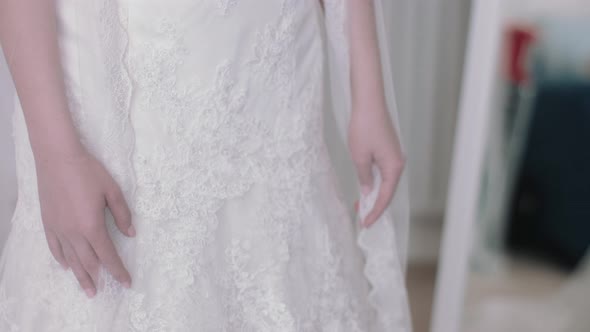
519 41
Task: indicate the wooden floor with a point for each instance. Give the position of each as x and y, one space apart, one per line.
519 279
421 279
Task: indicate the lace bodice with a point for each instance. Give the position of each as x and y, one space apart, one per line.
210 116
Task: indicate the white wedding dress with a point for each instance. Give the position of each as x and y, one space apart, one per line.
210 116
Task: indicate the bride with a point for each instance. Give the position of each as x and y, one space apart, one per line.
175 167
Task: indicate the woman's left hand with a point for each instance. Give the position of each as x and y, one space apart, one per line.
372 139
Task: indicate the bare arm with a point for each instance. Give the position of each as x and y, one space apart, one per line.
74 188
372 137
28 34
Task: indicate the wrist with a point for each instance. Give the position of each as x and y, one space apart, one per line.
373 103
66 146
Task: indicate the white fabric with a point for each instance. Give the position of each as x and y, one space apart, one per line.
209 116
385 243
7 178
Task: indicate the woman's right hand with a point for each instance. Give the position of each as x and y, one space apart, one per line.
73 193
74 188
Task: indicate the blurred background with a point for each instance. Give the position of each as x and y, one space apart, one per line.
494 98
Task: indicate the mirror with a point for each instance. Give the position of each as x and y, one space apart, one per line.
515 249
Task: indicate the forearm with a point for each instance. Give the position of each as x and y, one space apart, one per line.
366 71
28 34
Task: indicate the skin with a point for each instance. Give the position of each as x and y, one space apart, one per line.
372 139
75 188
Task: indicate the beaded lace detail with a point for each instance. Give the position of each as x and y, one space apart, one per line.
232 234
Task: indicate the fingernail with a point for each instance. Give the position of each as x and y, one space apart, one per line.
131 231
89 291
126 284
365 190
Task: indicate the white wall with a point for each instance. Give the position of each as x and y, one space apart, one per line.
528 9
428 47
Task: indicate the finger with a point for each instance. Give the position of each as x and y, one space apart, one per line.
55 248
82 276
120 210
87 258
386 191
365 175
107 254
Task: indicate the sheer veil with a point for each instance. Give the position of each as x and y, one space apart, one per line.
385 243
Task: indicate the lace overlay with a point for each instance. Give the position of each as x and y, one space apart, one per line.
225 6
220 154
